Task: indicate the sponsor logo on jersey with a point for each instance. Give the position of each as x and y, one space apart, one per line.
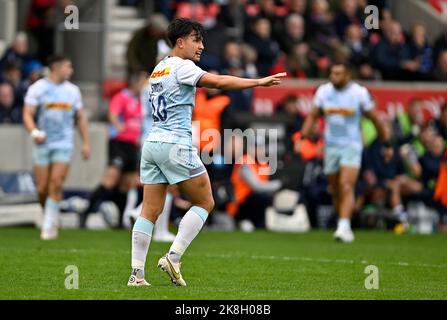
58 106
339 110
161 73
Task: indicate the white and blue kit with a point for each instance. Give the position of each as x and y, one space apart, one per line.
56 106
146 108
342 135
168 155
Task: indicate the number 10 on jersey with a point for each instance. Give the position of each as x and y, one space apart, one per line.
159 113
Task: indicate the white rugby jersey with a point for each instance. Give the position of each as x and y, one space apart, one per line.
56 106
172 88
147 112
343 110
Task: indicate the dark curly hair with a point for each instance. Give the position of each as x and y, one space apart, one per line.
182 27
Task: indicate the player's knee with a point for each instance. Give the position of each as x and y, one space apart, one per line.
42 189
151 212
211 205
208 205
56 183
346 188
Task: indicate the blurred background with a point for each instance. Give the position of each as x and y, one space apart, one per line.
403 64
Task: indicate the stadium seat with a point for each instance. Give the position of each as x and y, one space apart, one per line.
112 86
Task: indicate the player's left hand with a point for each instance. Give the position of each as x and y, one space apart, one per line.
85 152
273 80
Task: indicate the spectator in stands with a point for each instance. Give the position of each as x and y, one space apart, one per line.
268 10
341 54
440 73
441 123
385 19
382 172
265 45
294 33
148 45
121 175
238 60
232 55
359 52
233 16
211 57
428 133
13 74
17 53
10 112
323 38
410 184
290 107
233 64
418 177
421 52
33 72
298 6
300 61
249 58
349 14
204 12
392 57
41 23
252 190
430 164
407 126
440 45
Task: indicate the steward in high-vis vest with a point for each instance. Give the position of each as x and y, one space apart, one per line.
252 191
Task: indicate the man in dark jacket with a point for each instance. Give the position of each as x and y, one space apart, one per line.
145 45
391 55
9 111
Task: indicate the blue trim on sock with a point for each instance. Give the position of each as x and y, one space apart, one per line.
144 226
202 213
51 204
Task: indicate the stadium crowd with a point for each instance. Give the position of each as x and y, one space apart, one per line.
303 38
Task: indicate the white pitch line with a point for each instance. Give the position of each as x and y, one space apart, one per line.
284 258
322 260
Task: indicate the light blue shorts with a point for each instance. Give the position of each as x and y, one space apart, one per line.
338 156
163 162
43 156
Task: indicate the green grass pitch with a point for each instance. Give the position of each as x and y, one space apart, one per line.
226 265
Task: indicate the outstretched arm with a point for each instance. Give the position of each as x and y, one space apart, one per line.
210 80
